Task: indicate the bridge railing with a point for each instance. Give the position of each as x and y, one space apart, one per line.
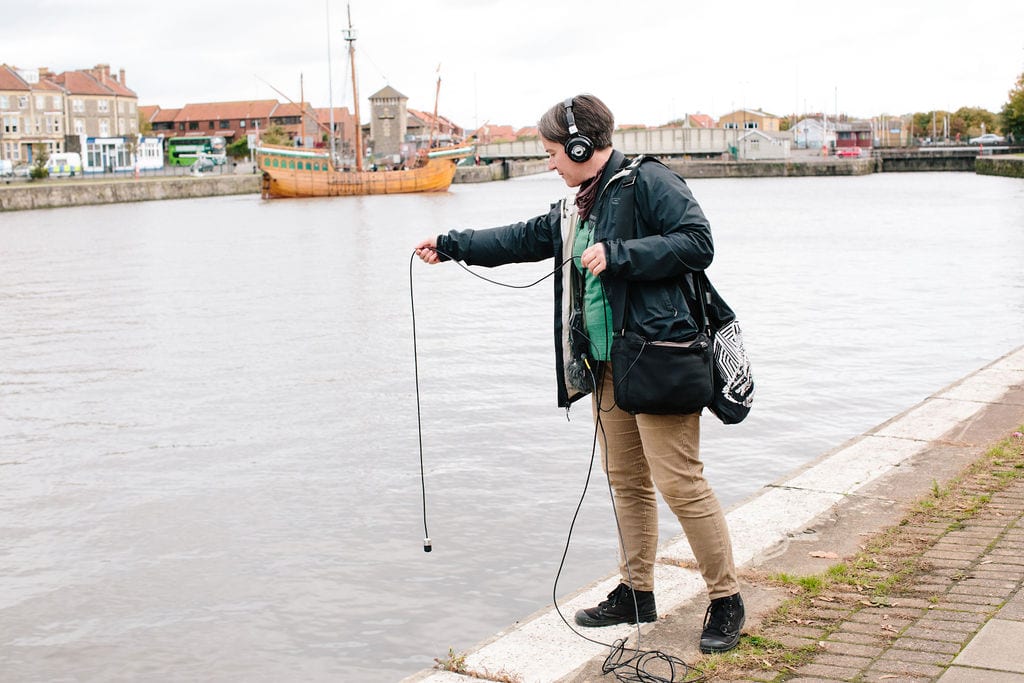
658 141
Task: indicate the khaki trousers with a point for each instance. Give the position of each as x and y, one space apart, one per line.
641 452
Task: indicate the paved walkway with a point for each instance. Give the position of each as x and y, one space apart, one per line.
959 620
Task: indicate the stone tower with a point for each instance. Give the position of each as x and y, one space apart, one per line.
388 121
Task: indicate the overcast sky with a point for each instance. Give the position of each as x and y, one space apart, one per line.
505 62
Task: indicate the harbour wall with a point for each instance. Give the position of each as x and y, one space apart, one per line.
48 194
51 195
1011 167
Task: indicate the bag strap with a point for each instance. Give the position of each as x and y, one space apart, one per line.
628 175
697 282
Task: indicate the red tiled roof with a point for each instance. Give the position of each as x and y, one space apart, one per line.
323 114
528 132
701 121
165 115
214 111
292 109
81 83
148 111
10 80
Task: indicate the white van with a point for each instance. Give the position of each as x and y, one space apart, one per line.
64 164
6 168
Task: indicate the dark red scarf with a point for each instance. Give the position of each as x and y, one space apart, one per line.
587 195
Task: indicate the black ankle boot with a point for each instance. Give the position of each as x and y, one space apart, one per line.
622 607
722 624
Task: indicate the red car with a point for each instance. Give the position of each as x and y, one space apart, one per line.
848 152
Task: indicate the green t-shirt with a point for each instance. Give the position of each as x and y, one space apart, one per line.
597 312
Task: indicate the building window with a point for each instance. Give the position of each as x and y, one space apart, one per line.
224 125
103 106
241 123
55 102
23 102
104 128
193 125
4 102
40 101
750 125
731 124
11 124
79 126
78 106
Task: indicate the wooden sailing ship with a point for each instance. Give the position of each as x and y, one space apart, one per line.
299 172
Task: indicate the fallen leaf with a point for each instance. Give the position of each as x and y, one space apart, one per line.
828 555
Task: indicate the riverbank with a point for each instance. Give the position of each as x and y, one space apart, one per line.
50 195
811 525
1008 166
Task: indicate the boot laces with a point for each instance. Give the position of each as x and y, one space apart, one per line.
721 616
621 594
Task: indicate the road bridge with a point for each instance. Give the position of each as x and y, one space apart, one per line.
663 142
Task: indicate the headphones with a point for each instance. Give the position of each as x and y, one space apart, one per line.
578 147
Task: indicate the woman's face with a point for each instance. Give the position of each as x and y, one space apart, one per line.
574 174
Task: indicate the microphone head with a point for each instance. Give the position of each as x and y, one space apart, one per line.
427 547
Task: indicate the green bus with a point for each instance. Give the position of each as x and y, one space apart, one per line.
185 150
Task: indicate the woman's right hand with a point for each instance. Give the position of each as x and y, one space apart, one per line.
427 251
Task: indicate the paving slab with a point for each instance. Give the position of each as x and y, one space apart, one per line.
996 646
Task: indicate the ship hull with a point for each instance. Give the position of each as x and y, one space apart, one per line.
292 173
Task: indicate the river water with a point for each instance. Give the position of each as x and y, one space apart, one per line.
209 464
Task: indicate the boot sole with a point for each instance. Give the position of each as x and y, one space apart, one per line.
585 620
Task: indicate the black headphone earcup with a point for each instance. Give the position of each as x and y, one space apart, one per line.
579 148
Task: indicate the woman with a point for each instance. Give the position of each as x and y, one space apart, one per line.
624 255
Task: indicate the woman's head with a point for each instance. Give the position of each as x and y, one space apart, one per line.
593 119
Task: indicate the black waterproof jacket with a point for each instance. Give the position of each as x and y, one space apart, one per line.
651 242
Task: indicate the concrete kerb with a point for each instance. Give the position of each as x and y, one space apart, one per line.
541 648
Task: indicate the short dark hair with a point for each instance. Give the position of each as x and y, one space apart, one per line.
593 119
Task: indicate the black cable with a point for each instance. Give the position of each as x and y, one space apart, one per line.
633 669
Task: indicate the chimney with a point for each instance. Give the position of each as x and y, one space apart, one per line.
121 77
102 71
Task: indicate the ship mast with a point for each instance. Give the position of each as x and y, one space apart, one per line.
350 38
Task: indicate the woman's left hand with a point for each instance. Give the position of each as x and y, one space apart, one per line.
593 259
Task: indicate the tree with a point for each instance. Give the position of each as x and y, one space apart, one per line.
974 121
239 149
41 154
275 135
145 126
1012 115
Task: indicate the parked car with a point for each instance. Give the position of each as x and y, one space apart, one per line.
22 170
849 152
988 139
